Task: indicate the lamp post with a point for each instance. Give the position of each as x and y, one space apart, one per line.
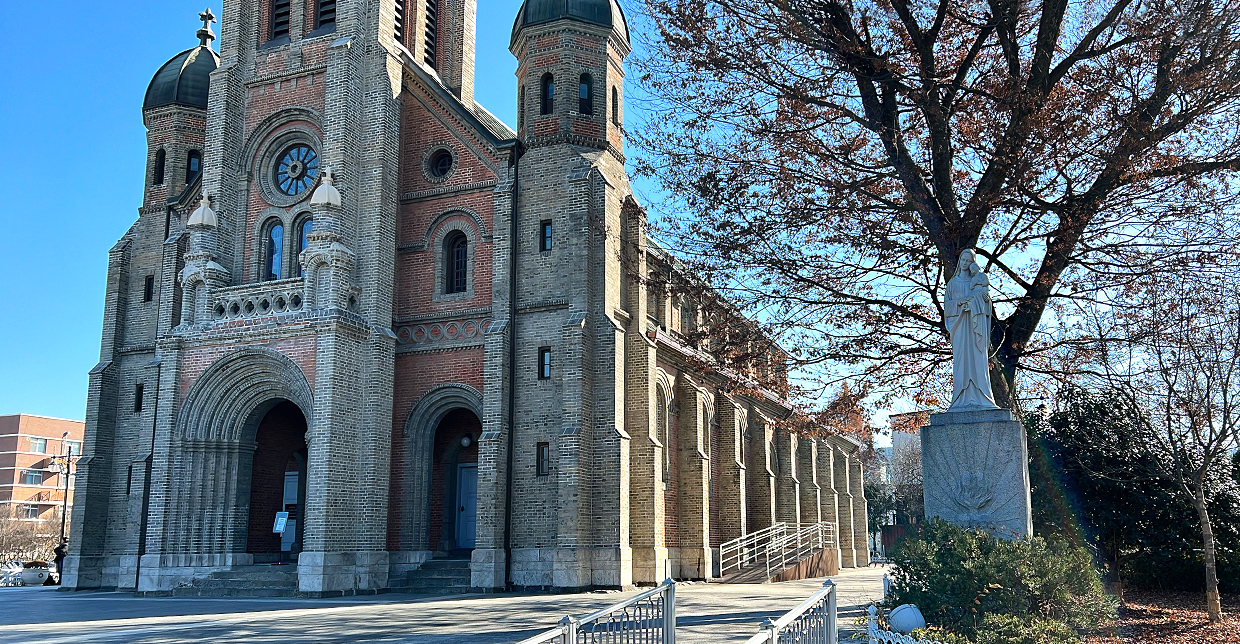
64 467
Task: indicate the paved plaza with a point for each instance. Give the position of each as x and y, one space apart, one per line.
705 613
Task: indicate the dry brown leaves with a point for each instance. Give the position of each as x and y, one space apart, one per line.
1171 618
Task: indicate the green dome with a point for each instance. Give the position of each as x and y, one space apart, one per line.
604 13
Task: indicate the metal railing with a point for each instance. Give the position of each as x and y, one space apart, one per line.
775 547
878 635
811 622
645 618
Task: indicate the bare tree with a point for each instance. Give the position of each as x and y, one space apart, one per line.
1182 364
836 156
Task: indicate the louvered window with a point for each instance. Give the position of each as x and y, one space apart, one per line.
398 24
432 30
279 18
327 13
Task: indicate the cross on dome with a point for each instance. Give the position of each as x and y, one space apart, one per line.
205 36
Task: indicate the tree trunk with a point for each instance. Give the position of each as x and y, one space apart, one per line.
1213 607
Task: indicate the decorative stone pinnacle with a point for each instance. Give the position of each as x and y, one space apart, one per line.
203 216
205 36
326 194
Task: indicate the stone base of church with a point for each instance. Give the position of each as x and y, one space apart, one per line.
975 471
98 572
333 574
690 562
650 565
164 572
556 569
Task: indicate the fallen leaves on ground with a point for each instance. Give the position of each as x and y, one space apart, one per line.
1171 618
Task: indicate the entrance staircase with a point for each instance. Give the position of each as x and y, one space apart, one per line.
279 580
781 552
436 577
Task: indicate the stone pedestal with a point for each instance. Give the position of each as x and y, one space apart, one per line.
975 471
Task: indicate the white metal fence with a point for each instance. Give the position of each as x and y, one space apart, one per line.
775 547
811 622
878 635
645 618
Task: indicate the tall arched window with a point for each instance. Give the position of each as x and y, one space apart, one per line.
615 105
161 158
456 259
193 165
273 252
548 94
303 231
585 101
661 433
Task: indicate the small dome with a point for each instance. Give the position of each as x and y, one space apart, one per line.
605 13
184 80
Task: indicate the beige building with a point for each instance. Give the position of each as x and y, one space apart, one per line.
32 451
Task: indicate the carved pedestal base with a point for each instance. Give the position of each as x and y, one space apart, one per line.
975 471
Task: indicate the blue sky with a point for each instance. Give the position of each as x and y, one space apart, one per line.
72 151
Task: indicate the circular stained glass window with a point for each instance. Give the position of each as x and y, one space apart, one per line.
440 164
297 169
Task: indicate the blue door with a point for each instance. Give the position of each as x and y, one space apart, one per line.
466 505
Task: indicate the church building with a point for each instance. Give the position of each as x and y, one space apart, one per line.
361 327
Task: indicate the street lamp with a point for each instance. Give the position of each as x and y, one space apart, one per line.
64 465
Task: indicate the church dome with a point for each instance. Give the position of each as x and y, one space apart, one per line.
184 80
605 13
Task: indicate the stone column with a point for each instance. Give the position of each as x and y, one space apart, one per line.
807 474
844 507
861 524
787 485
694 481
759 473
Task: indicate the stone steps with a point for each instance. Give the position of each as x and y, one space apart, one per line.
437 577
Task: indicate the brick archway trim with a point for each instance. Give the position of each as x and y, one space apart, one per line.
419 436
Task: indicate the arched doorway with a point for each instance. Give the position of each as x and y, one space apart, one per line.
454 484
278 485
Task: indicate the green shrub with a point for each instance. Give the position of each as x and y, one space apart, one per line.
973 584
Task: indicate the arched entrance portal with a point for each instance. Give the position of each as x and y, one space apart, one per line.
454 484
278 484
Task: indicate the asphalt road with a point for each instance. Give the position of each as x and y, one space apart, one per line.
715 613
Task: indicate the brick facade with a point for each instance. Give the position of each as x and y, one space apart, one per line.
408 329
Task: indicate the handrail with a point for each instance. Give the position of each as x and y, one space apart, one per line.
776 546
813 621
603 625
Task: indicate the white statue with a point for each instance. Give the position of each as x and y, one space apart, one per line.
967 311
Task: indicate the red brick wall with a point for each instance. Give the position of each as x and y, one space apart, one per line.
196 360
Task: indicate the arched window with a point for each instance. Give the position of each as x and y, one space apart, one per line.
615 105
456 262
548 94
303 231
273 252
585 101
661 433
193 165
161 158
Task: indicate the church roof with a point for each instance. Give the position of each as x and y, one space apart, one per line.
184 80
605 13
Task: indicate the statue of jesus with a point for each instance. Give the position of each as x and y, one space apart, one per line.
967 312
